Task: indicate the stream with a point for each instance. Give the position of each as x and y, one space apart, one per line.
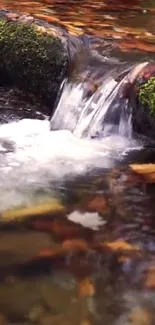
77 222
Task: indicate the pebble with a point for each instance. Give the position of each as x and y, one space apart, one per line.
36 313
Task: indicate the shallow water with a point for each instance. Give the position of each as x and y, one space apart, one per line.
93 249
77 223
130 24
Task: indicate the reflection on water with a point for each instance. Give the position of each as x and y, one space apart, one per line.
79 248
88 254
130 23
89 263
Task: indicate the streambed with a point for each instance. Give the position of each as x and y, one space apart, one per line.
80 232
77 223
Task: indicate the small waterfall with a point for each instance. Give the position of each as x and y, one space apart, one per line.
90 104
94 103
74 111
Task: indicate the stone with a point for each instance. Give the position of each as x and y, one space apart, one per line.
35 60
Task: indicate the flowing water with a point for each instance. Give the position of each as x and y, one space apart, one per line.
77 223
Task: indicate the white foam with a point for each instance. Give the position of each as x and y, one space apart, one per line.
39 157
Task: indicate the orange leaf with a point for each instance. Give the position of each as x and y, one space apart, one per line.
143 168
146 170
98 204
150 280
86 288
85 322
50 207
140 316
75 245
120 245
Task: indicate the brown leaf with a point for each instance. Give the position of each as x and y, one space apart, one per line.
85 322
86 288
140 316
98 204
75 245
52 206
58 227
150 280
49 252
121 245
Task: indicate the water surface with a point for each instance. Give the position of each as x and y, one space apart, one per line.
130 24
77 223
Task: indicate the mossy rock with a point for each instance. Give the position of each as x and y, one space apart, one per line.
33 59
147 95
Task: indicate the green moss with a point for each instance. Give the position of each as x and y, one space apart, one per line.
147 95
35 62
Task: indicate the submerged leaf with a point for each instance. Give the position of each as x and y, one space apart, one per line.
98 204
86 288
121 245
140 316
49 207
150 280
146 170
75 245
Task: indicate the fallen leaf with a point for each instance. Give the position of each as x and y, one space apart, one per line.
146 170
75 245
143 168
86 288
58 227
98 204
85 322
123 259
150 280
50 207
140 316
120 245
43 253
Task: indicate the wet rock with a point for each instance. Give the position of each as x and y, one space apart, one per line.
3 320
61 300
17 299
19 322
16 105
33 56
46 319
17 248
143 102
36 313
49 319
38 300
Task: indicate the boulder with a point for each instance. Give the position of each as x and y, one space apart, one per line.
33 55
143 102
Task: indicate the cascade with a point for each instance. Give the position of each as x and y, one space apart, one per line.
93 102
